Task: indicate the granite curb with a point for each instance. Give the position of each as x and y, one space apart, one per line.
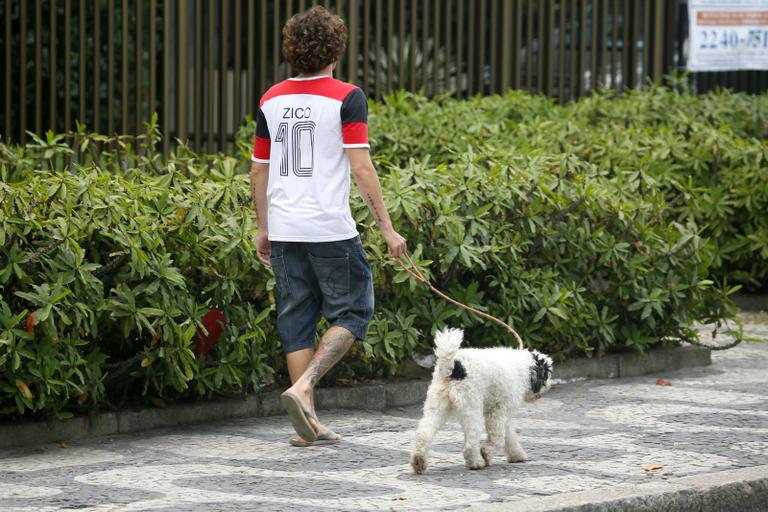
751 302
374 396
737 490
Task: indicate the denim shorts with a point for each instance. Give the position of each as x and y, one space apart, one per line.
314 278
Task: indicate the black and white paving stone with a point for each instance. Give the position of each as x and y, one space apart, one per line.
583 435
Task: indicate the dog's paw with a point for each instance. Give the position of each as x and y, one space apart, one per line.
487 454
518 456
474 460
418 463
476 464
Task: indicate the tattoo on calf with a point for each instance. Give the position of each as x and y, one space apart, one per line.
334 344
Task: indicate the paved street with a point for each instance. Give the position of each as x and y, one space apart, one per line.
582 435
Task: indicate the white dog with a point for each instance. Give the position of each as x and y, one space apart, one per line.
480 388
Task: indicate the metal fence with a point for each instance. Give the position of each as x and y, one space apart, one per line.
203 64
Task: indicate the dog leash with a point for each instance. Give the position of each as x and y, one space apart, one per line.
416 274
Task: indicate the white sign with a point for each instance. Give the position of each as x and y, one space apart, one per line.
727 35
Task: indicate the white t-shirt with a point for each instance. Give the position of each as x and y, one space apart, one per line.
302 128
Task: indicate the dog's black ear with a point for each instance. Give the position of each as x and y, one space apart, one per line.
540 372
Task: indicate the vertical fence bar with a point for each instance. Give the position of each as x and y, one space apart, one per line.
181 71
529 47
436 51
425 43
658 38
542 48
646 39
377 67
506 44
580 82
38 67
390 36
263 53
152 57
593 52
413 50
493 49
8 70
549 38
366 26
96 66
625 48
81 62
124 65
401 46
637 34
67 65
448 58
52 65
166 121
342 64
471 37
459 85
670 36
561 52
198 76
276 42
250 27
211 92
23 72
237 116
110 67
353 46
614 43
223 85
481 49
139 65
573 56
518 43
287 70
604 56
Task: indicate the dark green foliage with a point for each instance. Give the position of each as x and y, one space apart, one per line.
590 228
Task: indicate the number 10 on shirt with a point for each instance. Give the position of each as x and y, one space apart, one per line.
302 148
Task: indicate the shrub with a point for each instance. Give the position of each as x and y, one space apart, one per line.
105 279
587 229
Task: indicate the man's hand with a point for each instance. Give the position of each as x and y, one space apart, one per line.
395 242
263 247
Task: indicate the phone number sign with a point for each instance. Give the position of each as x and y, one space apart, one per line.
728 35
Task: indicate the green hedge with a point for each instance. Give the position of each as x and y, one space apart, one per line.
707 153
121 256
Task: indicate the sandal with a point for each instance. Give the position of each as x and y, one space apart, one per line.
322 439
299 417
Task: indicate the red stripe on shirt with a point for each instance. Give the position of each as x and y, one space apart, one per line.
261 148
354 133
326 86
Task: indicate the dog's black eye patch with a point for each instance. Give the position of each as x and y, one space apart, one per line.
459 372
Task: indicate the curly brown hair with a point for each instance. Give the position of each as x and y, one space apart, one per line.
314 39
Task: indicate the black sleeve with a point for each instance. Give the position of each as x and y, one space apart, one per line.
262 130
354 109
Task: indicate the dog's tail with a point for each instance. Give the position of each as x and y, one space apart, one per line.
447 343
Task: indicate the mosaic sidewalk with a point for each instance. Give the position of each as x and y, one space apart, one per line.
585 435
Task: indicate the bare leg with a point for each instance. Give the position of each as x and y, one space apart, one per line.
515 452
435 413
332 347
298 362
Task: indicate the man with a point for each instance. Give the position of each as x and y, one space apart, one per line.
311 131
